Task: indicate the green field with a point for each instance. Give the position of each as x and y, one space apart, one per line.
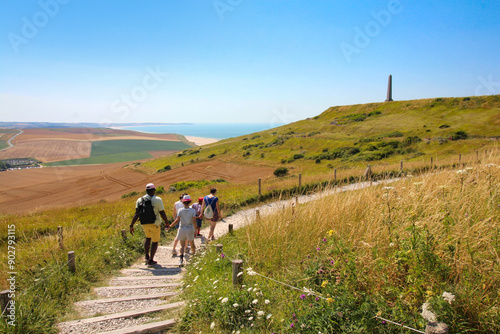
111 151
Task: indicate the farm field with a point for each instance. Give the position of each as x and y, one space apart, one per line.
51 145
27 190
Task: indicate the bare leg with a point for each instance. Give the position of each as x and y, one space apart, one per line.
147 244
154 247
212 229
175 244
193 247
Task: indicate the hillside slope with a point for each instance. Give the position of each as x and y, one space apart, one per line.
347 136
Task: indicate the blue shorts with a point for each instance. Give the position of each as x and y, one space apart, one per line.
198 222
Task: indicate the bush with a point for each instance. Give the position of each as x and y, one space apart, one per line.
459 135
281 171
211 156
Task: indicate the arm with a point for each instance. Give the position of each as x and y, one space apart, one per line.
218 210
164 216
176 221
175 211
133 222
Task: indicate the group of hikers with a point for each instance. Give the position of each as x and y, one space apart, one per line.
149 210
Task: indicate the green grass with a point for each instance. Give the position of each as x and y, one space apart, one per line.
349 126
111 151
382 251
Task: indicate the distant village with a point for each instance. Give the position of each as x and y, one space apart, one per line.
19 163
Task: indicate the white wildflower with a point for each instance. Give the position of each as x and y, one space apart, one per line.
461 172
469 168
239 274
225 300
388 188
220 298
261 313
243 286
490 165
255 301
427 313
255 289
269 316
250 319
216 282
196 278
448 297
267 301
250 289
306 290
251 272
235 305
212 325
248 311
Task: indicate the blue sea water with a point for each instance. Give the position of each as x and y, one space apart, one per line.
205 130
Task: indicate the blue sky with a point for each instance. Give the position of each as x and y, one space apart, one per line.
237 60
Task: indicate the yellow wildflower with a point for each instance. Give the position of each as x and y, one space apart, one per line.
324 284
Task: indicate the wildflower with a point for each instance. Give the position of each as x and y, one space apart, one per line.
251 272
303 326
330 233
220 298
324 284
255 301
461 172
261 313
318 249
292 324
255 289
239 274
317 298
329 300
324 239
235 305
216 282
217 259
469 168
196 278
448 297
212 325
225 300
306 290
427 313
409 175
222 255
302 296
332 262
429 293
267 301
250 319
388 188
248 311
269 316
249 289
490 165
418 183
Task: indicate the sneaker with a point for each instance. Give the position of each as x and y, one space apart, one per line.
152 263
174 253
181 262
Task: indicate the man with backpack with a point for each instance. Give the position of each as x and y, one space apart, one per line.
148 210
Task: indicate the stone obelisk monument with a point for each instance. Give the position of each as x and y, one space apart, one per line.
389 90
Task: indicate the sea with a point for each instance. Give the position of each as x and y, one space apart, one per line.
204 130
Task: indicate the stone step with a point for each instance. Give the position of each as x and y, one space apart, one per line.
174 270
152 327
147 278
128 314
127 298
147 286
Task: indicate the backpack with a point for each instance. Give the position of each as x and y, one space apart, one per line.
208 212
145 211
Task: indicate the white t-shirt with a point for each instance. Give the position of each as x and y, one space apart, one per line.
186 215
157 207
178 205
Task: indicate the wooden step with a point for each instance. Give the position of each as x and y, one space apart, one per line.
148 286
128 314
128 298
152 327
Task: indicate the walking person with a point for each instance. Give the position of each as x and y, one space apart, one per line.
199 217
177 206
148 210
212 201
186 218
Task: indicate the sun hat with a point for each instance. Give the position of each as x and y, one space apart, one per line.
200 199
186 198
150 186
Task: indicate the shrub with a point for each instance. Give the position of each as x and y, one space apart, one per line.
444 126
211 156
297 156
281 171
459 135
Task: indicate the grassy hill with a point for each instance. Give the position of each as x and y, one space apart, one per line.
348 136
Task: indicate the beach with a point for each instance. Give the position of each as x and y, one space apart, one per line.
201 141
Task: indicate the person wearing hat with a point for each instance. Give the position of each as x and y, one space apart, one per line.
199 216
186 218
151 225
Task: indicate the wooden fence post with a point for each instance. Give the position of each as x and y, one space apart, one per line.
60 237
431 162
237 268
436 328
260 186
4 301
477 156
460 160
257 214
230 228
296 200
401 166
368 173
335 176
300 179
71 261
124 234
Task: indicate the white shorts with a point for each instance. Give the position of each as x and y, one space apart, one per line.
185 235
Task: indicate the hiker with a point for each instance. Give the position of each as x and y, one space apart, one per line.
212 201
199 217
177 205
148 210
186 218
